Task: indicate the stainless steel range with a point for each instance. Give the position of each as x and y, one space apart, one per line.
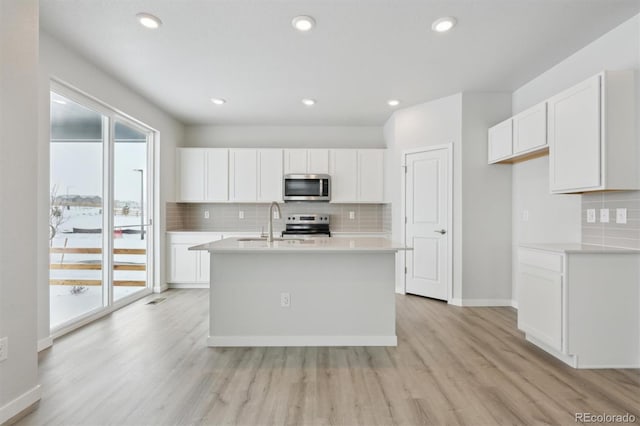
307 224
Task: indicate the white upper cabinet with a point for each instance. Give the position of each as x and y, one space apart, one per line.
500 141
530 130
270 175
246 175
243 172
357 175
190 164
314 161
592 143
344 175
202 174
318 161
217 174
370 175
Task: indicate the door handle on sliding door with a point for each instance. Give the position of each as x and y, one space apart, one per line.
440 231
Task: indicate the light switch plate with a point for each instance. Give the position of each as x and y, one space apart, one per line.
621 215
591 215
240 214
206 214
352 215
604 215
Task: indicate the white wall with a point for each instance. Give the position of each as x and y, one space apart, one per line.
18 164
284 136
557 218
67 66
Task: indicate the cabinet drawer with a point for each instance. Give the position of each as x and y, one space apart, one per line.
541 259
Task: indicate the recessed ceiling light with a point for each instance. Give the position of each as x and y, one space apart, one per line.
149 21
218 101
303 23
443 25
393 102
309 102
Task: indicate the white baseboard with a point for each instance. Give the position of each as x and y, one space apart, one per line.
161 288
481 302
188 285
570 360
21 403
228 341
45 343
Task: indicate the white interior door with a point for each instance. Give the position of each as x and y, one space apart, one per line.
427 183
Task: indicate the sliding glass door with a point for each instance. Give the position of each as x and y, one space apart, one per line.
100 209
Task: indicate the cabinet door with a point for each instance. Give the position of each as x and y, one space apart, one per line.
270 175
540 304
530 129
191 174
295 161
574 138
243 171
183 263
344 175
217 172
370 175
318 161
500 141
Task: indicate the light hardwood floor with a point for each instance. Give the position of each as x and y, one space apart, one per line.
149 365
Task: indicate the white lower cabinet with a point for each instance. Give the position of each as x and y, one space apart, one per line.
188 268
581 305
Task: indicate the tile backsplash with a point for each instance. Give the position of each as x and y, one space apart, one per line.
226 217
612 233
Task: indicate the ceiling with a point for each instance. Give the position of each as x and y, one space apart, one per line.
360 54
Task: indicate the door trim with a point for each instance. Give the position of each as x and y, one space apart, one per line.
403 211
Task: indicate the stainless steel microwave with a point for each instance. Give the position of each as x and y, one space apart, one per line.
300 187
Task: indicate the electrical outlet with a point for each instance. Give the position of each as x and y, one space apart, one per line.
525 215
285 300
604 215
4 349
240 214
276 215
591 215
206 214
352 215
621 215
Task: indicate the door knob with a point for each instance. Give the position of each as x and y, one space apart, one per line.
440 231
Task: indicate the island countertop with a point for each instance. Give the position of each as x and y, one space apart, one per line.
327 245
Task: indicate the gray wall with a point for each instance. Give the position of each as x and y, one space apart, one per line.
18 184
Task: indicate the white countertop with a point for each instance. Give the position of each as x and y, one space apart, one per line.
343 245
578 248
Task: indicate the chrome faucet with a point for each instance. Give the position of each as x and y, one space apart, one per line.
270 233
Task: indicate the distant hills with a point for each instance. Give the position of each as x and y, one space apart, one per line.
91 201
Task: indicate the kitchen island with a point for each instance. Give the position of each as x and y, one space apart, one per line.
302 292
